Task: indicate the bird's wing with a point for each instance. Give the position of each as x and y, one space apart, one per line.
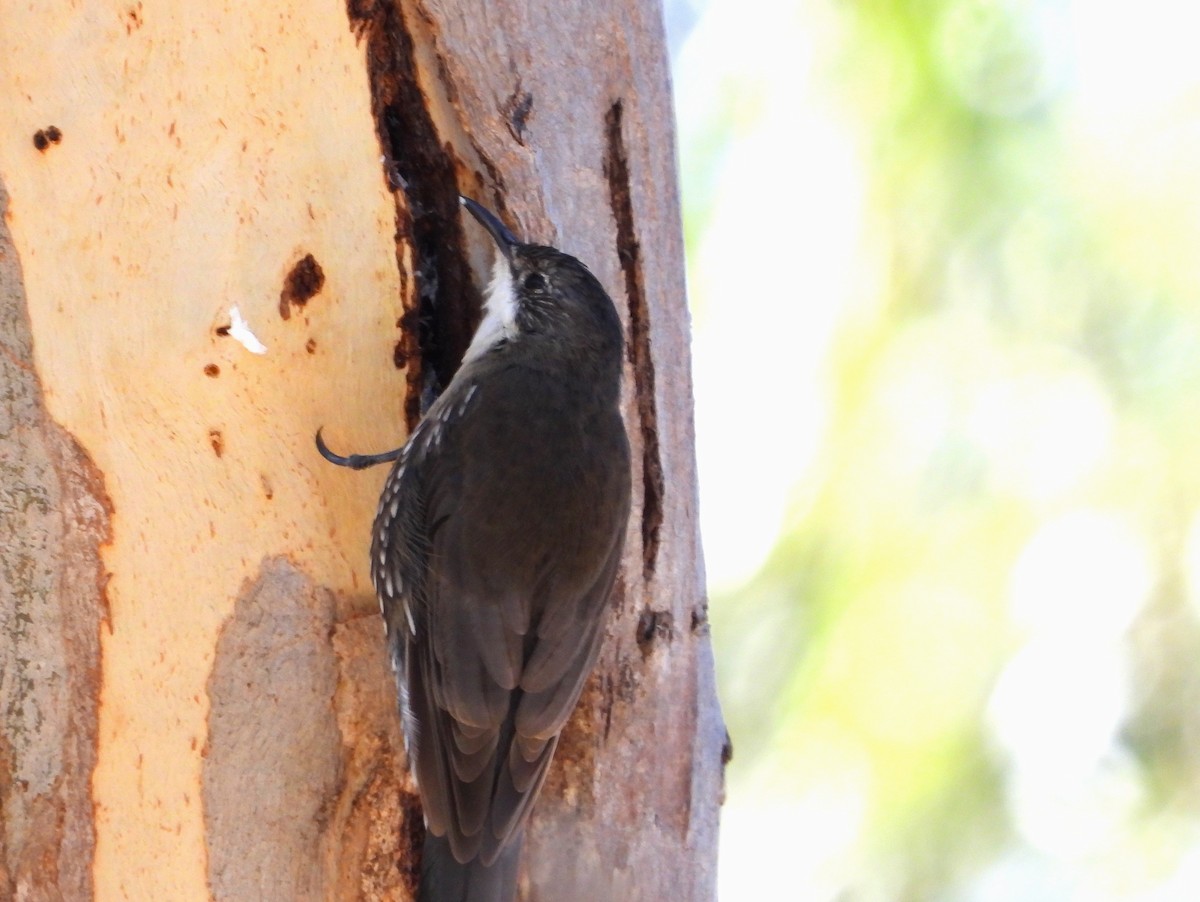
497 636
496 676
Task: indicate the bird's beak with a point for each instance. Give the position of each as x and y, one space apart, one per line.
505 240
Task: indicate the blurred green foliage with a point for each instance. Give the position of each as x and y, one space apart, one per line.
976 640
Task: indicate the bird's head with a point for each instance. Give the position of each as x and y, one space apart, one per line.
544 298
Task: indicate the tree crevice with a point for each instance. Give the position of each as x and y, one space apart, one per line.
616 170
441 310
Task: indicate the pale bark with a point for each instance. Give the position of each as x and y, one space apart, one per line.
194 699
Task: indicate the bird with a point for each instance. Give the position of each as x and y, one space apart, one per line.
494 553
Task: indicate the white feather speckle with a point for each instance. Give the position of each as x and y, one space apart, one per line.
470 393
407 720
239 330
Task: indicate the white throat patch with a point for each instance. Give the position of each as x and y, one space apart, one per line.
499 312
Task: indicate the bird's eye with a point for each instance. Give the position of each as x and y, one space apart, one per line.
535 281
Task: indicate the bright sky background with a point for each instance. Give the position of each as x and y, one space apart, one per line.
785 254
769 276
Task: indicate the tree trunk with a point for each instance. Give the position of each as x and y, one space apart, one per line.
194 697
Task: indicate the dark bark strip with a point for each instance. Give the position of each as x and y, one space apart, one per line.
616 169
434 336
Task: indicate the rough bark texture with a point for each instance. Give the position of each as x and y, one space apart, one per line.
194 698
54 518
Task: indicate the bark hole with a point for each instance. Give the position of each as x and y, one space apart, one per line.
654 626
303 283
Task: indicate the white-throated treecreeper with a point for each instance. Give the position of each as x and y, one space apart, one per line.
494 551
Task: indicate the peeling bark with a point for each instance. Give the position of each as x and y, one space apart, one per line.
54 517
304 787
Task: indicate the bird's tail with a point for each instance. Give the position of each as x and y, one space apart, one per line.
445 879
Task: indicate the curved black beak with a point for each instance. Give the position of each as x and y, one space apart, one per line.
505 240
